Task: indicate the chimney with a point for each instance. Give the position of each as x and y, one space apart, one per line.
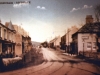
89 19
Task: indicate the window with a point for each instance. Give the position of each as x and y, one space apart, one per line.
12 38
89 45
9 36
94 45
0 31
5 34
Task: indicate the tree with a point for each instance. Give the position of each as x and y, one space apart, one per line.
44 44
97 12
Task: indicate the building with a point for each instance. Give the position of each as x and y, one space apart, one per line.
87 38
7 41
51 43
55 42
66 39
69 33
15 41
63 42
23 40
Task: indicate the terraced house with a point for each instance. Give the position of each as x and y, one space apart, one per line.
66 40
54 43
7 41
23 41
14 40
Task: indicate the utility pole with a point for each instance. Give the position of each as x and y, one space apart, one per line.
65 42
83 45
68 39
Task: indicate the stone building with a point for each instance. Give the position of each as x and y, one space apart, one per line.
23 40
7 41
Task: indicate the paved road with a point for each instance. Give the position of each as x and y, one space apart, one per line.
53 66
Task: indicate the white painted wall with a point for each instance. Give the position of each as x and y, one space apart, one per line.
69 34
90 38
57 42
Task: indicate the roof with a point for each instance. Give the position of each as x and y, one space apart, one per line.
53 40
9 25
89 28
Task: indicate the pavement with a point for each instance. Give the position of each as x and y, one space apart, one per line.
70 66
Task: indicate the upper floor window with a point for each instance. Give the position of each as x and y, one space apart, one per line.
12 37
9 36
5 34
0 31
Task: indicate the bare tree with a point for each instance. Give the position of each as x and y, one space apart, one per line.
97 12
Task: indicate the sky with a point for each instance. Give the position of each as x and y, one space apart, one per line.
46 19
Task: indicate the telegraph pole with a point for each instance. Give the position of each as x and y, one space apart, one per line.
68 39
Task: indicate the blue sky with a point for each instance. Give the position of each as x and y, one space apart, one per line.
45 19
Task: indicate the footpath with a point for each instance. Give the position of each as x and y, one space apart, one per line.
90 59
93 57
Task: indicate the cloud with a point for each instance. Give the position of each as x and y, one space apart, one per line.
43 8
39 7
74 9
84 7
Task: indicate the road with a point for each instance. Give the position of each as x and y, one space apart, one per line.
57 63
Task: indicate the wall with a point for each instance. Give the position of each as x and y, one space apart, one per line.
57 41
88 42
69 33
18 46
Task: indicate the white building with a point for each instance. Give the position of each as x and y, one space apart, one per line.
87 38
55 42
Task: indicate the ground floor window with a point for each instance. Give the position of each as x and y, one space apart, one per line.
94 45
89 45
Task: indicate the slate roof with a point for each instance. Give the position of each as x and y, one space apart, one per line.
89 28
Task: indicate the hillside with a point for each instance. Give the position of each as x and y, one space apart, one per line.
36 43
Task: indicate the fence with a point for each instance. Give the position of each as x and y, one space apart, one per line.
94 55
